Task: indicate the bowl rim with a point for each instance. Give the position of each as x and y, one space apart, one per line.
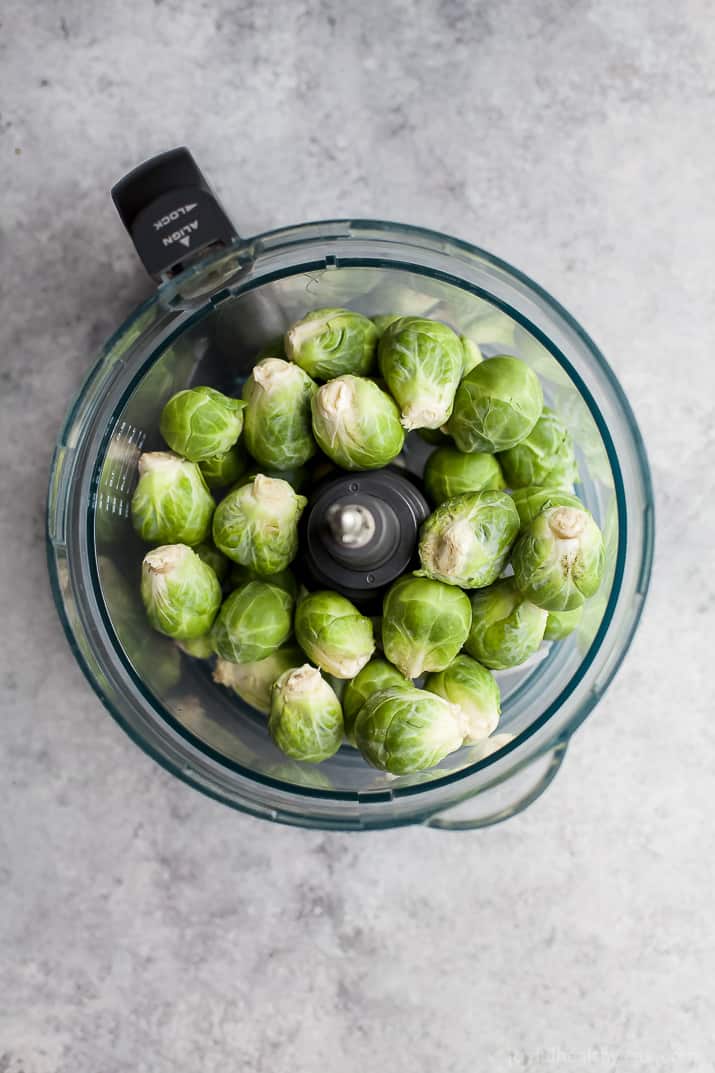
307 233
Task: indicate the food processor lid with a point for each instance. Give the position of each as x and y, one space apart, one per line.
170 212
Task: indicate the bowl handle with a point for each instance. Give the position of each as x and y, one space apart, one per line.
506 798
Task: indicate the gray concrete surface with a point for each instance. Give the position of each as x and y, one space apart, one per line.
144 928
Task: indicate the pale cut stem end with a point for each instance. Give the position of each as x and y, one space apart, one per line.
151 461
423 417
302 332
272 372
166 558
567 522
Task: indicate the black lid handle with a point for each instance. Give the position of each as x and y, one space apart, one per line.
170 212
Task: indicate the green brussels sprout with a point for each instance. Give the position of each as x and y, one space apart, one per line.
253 681
253 621
532 500
544 457
277 423
156 659
559 558
211 555
171 503
256 525
424 624
474 690
375 675
383 321
201 422
356 424
471 355
333 633
506 627
560 624
198 647
306 720
221 470
283 579
468 538
404 729
421 361
450 473
496 406
330 342
181 594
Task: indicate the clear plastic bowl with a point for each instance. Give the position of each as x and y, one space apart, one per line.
205 326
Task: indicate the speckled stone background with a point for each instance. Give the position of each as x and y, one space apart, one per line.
144 928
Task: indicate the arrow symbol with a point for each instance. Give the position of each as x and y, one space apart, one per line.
185 240
188 208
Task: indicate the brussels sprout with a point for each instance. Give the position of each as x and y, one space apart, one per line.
211 555
544 457
421 361
475 692
256 525
467 540
333 633
450 473
221 470
560 624
404 729
559 559
253 621
181 594
532 500
424 624
375 675
199 647
330 342
155 658
506 628
471 355
306 720
496 406
356 424
201 422
277 428
383 321
253 681
171 503
283 579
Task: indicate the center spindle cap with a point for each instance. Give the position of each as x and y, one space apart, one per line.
352 524
359 533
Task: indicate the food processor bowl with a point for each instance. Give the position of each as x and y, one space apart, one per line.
205 326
